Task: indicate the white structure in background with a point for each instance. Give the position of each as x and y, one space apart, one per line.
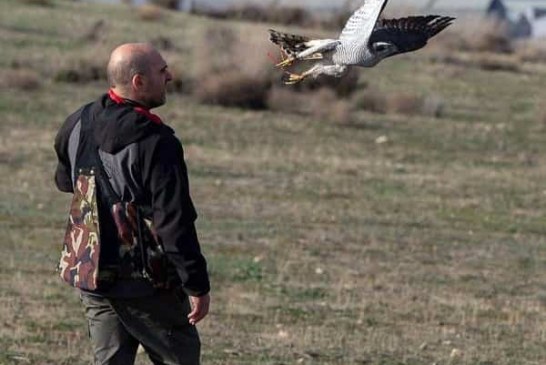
186 5
527 18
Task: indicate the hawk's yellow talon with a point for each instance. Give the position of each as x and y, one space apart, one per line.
292 79
285 63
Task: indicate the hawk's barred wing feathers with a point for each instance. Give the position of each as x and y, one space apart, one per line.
360 25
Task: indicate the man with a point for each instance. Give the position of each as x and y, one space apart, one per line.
144 164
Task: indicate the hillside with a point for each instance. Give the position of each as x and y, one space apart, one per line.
390 238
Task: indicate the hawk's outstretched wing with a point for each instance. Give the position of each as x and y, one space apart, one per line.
360 25
410 33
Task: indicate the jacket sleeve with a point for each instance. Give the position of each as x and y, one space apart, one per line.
174 214
63 172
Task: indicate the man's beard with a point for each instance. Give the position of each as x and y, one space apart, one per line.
156 102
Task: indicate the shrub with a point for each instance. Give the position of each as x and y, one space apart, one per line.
403 103
232 72
181 83
372 100
167 4
286 100
321 104
342 86
39 2
81 71
232 89
492 63
21 79
273 13
325 105
150 12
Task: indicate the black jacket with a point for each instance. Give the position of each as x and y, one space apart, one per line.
145 165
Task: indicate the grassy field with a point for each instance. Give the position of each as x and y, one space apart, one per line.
388 240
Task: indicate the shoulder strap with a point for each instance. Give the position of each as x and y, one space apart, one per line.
88 157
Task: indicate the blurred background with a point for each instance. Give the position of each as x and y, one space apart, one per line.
394 216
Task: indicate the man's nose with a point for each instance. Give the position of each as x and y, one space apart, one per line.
169 76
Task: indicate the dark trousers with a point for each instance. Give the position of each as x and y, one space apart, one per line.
159 323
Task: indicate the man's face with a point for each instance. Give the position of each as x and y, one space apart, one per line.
155 82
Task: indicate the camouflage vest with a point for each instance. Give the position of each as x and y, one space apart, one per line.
107 239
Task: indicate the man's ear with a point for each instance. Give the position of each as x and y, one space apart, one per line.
137 82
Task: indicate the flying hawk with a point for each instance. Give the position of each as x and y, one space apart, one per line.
364 41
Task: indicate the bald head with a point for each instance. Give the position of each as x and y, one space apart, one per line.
127 61
137 71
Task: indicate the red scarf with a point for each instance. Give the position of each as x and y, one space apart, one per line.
139 109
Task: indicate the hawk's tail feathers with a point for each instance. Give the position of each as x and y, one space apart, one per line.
292 44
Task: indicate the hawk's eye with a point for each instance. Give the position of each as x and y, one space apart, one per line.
380 47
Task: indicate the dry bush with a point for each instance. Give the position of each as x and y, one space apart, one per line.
233 89
343 86
404 103
167 4
181 82
490 62
376 101
322 104
232 71
284 99
150 12
81 71
39 2
20 79
372 100
272 13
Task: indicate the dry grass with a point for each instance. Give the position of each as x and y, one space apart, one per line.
530 51
541 114
484 61
388 240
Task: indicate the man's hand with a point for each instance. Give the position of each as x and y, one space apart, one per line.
200 308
